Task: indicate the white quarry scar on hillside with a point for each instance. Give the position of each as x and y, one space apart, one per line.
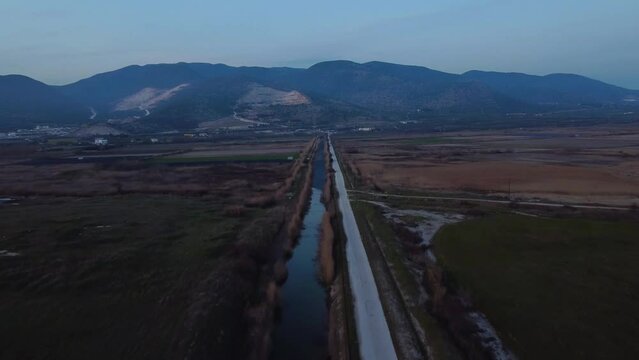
148 98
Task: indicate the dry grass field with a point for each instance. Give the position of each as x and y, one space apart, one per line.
163 169
573 165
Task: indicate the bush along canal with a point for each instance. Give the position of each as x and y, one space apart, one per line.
302 326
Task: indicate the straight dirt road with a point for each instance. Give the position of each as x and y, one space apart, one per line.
493 201
373 334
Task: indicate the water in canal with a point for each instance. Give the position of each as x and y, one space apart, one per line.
301 332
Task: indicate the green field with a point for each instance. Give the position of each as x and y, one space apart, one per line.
553 288
116 277
231 158
62 141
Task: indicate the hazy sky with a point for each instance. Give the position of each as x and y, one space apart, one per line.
64 40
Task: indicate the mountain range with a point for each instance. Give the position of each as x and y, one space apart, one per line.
196 95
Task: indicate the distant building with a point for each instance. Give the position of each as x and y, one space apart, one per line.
101 141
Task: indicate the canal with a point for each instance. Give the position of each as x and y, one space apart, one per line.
301 331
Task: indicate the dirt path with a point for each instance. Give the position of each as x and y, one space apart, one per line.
493 201
374 337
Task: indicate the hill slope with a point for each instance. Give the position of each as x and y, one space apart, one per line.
391 87
25 102
557 89
104 91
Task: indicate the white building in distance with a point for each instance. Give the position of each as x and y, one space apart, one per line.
101 141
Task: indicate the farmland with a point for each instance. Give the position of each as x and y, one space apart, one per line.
582 165
492 238
108 253
481 244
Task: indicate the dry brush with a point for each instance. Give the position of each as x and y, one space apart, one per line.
334 280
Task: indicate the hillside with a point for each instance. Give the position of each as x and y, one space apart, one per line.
25 102
554 89
104 91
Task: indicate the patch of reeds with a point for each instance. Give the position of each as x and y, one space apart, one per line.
234 211
262 201
295 223
326 259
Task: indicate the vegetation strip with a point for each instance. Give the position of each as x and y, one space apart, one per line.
334 272
289 156
405 336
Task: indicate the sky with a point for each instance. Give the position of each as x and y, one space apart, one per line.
62 41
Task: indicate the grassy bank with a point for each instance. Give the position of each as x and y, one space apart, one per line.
553 288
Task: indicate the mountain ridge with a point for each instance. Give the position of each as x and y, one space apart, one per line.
206 92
